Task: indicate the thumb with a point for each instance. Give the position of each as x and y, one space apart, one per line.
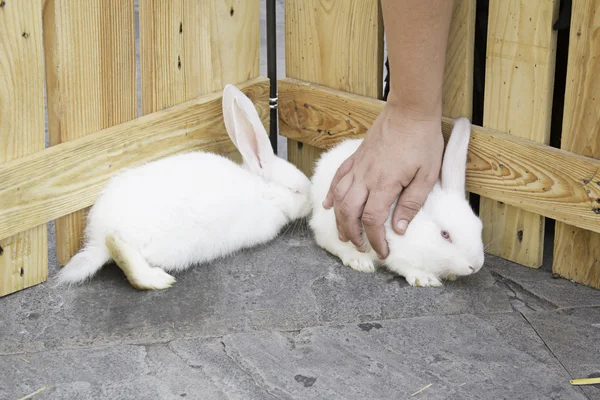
410 202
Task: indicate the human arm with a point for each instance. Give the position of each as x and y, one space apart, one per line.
402 151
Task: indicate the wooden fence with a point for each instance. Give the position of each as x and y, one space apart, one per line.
83 52
334 63
82 56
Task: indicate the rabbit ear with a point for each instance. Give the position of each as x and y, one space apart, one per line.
245 128
454 165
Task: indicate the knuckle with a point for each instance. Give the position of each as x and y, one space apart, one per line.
432 178
411 205
373 218
358 242
409 208
337 193
345 209
382 180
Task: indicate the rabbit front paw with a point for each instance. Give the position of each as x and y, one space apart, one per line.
358 261
422 279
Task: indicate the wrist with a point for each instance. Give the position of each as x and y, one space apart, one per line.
426 110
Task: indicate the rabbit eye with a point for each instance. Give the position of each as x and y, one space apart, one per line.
445 235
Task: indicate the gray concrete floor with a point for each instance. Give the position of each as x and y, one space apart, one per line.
286 320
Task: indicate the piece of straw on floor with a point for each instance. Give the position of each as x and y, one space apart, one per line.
585 381
421 390
30 395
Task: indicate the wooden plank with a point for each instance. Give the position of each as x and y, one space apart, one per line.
336 44
189 48
457 100
521 53
303 156
90 49
68 177
24 255
577 251
503 167
457 93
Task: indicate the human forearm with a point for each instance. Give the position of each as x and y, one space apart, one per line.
417 35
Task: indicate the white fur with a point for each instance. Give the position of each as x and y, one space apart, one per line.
191 208
421 255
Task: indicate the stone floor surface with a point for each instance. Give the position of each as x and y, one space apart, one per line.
287 321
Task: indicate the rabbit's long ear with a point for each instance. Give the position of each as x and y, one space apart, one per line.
454 165
246 129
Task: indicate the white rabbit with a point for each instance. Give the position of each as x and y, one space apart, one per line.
191 208
442 241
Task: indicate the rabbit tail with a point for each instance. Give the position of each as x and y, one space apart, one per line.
83 265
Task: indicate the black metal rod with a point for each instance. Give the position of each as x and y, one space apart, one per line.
272 71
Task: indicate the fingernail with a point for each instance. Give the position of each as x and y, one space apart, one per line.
402 225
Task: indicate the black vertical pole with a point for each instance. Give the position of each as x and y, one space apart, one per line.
272 71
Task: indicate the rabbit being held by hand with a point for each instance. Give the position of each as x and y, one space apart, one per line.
191 208
443 241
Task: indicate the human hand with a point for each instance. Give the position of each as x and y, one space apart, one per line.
401 155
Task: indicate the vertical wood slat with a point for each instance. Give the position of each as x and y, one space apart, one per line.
521 51
90 66
577 251
457 94
24 257
335 44
457 100
189 48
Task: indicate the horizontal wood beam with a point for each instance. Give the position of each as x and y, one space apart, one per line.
68 177
532 176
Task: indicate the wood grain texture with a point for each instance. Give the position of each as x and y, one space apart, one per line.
24 255
90 64
457 93
503 167
338 44
577 251
69 176
303 156
189 48
457 100
521 53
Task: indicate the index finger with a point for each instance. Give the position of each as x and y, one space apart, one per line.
376 212
341 172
